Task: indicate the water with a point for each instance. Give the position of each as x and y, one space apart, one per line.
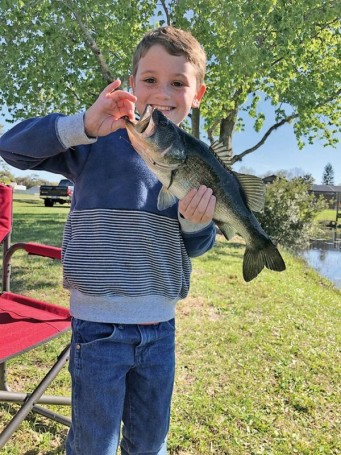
324 256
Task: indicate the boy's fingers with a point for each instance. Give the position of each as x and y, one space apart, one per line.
123 108
198 205
205 208
199 198
113 86
121 95
209 211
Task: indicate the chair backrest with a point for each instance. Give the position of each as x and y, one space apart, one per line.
6 198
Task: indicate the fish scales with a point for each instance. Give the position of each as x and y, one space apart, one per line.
182 162
194 173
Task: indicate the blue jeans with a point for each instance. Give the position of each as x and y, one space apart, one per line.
120 373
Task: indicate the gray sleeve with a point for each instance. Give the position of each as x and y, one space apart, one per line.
190 227
71 132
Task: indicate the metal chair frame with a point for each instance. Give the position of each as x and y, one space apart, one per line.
31 401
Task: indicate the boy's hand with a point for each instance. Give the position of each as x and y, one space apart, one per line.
105 115
198 205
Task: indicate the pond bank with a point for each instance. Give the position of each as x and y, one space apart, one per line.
324 255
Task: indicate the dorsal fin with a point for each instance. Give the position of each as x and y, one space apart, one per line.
221 151
254 189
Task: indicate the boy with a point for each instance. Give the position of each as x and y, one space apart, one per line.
126 263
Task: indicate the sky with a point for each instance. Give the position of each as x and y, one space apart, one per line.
280 152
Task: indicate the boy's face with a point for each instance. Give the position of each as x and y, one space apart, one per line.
166 82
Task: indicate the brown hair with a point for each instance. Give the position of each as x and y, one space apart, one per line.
176 42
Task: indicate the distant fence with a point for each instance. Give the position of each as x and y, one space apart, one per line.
28 192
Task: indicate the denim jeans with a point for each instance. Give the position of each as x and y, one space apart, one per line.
120 373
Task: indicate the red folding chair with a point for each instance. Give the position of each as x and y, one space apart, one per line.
26 323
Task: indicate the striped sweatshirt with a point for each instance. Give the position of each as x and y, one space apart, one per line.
124 261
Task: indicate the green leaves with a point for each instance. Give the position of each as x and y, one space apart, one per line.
287 51
58 55
289 212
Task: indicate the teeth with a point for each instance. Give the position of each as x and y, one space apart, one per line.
150 130
162 108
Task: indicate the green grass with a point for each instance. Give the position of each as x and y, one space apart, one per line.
326 215
258 364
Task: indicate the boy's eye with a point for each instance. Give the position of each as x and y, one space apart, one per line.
178 84
150 80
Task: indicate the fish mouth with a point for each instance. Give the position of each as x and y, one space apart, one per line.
145 128
146 125
140 131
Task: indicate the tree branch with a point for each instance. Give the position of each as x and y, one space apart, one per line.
105 70
273 128
73 91
210 131
277 125
167 13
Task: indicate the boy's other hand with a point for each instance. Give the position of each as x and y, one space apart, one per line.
107 112
198 205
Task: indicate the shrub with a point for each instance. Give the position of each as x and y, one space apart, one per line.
289 212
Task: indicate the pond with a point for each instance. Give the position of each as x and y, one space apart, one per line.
324 256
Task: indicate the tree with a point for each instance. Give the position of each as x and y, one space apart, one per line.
60 54
290 174
31 180
328 175
268 50
289 212
6 176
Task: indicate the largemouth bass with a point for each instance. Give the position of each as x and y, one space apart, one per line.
182 162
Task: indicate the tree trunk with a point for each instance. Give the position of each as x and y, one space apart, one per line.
226 131
196 122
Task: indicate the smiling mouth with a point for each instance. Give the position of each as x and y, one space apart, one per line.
146 126
163 108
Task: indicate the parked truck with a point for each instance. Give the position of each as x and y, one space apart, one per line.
61 193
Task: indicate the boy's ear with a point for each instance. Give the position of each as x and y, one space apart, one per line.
198 96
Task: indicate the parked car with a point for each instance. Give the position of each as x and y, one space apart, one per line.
61 193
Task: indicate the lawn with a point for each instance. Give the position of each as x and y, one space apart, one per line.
326 215
258 364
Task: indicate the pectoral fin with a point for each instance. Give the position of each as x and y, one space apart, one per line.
226 230
165 199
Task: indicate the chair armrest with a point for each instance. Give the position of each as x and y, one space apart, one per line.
48 251
36 249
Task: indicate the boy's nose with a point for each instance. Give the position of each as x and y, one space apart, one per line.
163 92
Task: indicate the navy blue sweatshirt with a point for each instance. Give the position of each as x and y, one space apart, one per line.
124 261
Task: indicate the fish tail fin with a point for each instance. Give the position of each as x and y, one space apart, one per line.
256 259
